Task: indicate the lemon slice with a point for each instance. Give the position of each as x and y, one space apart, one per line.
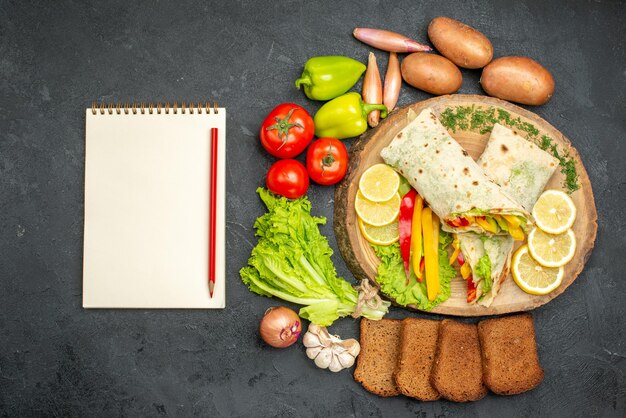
551 250
379 183
377 213
554 212
381 235
532 277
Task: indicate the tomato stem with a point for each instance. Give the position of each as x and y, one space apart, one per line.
328 160
283 126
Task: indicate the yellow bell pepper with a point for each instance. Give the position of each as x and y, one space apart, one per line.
457 249
512 220
486 225
416 237
466 270
516 232
432 282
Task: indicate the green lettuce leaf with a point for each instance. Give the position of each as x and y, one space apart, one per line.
483 269
292 261
392 278
445 239
404 187
502 224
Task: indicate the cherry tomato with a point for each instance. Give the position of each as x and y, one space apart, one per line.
288 178
287 130
327 161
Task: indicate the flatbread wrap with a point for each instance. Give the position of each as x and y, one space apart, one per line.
485 263
522 169
454 186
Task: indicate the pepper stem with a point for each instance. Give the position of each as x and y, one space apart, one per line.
367 108
304 79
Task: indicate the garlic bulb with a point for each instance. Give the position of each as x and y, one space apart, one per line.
329 351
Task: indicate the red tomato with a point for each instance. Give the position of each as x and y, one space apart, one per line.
327 161
288 178
471 289
287 130
458 222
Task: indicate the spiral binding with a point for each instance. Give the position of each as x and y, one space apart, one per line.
152 108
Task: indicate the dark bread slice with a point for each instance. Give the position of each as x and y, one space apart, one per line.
509 354
457 371
380 343
418 343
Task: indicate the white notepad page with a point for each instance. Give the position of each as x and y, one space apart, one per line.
147 210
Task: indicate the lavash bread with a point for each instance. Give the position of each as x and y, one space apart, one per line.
457 371
376 364
445 175
521 168
509 354
499 249
418 344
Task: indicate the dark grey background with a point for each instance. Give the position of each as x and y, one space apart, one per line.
57 359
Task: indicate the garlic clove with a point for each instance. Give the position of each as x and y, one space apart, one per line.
335 364
325 337
312 352
310 339
346 359
352 346
324 358
338 348
314 328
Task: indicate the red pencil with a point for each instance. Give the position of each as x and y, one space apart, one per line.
212 210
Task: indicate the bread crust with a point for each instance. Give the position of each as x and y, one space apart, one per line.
376 364
509 354
457 370
418 344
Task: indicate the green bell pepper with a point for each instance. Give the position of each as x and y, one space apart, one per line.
325 78
344 117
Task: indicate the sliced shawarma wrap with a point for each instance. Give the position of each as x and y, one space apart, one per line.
520 167
487 261
454 186
523 170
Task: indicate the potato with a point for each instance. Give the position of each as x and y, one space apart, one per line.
518 79
461 44
432 73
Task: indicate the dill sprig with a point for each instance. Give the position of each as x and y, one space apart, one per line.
482 119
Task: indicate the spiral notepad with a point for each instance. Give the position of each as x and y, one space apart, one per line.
147 204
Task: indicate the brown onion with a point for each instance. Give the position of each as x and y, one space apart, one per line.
280 327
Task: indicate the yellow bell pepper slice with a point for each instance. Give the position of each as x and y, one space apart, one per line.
416 237
466 270
486 225
457 249
512 220
432 282
432 285
516 232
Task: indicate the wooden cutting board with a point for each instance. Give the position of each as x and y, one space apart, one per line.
472 132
